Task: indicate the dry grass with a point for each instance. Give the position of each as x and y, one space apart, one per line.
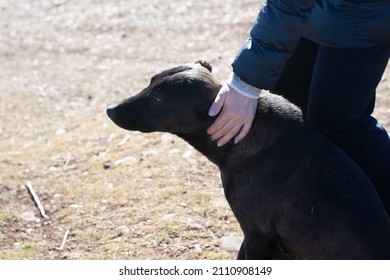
63 62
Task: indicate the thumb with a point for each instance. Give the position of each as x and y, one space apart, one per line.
219 101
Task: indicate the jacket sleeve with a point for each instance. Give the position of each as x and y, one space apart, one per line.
273 37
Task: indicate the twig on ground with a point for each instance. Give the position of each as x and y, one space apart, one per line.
124 140
66 163
64 240
36 200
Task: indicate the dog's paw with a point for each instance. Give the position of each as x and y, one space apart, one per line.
205 64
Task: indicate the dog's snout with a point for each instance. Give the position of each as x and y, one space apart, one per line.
111 111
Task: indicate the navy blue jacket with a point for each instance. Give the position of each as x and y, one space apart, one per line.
334 23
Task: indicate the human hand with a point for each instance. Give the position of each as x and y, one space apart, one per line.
236 117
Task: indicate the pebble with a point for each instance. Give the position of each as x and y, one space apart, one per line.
76 206
60 131
122 230
174 151
28 216
168 216
187 154
195 226
126 161
166 138
230 243
196 247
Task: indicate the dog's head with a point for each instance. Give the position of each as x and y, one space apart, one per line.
177 101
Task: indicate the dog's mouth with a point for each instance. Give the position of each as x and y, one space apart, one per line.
117 117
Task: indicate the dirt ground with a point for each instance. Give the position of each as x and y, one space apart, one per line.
118 194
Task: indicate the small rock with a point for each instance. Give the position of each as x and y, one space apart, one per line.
187 154
168 216
166 138
111 137
126 161
194 226
131 254
209 224
230 243
174 151
122 230
60 131
76 206
196 247
148 153
53 169
28 216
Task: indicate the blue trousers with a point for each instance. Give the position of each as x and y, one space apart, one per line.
336 88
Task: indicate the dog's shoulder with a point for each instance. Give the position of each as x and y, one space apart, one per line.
277 106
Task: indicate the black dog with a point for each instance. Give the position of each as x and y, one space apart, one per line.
287 185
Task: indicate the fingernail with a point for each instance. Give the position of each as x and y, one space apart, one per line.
219 144
212 112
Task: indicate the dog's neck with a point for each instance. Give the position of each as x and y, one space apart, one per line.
202 142
230 154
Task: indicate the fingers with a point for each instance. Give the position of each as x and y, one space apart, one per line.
231 130
229 134
218 128
223 130
244 132
218 102
236 114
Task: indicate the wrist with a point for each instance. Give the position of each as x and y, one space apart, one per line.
243 88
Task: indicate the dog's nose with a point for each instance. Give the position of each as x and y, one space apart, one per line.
111 112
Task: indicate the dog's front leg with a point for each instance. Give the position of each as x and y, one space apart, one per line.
257 247
241 252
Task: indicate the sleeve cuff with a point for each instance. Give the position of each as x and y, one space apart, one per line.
243 88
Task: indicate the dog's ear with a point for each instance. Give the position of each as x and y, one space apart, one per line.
205 64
